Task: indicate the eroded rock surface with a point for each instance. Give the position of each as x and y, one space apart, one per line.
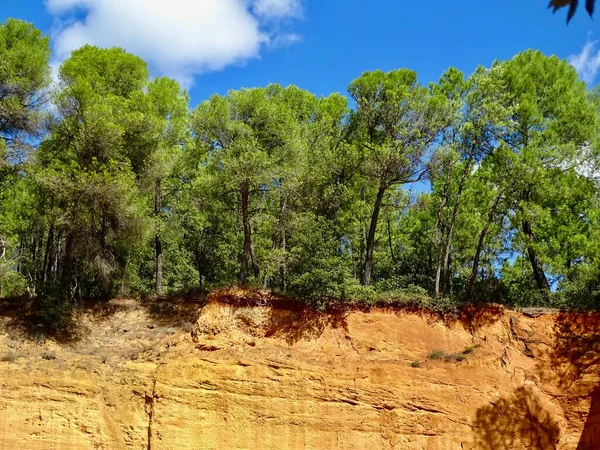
257 373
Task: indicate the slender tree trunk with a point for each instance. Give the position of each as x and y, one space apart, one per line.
34 254
103 229
48 253
359 265
21 247
69 258
389 230
247 257
439 273
480 243
283 266
536 262
442 279
478 251
57 253
440 226
39 267
534 259
283 241
368 267
446 262
448 247
199 268
157 238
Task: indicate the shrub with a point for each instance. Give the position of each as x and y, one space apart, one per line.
318 272
439 355
417 297
8 357
12 284
364 295
470 349
454 357
436 354
54 311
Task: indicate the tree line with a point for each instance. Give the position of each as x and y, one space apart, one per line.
474 188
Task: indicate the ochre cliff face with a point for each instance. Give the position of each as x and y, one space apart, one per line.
254 374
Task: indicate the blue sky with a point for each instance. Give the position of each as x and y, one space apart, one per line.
321 45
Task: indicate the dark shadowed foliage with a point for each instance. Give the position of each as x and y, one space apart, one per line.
572 4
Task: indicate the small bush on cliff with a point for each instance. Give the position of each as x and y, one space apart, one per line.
8 357
417 297
436 354
320 291
454 357
54 311
440 355
470 349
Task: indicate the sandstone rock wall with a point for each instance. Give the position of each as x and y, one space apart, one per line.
269 376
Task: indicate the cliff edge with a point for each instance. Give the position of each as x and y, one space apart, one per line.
244 370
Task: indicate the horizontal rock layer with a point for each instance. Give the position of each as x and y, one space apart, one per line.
264 375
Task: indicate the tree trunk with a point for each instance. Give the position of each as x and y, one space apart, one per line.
247 257
34 254
389 230
283 241
440 267
439 275
69 258
368 267
200 268
157 238
57 254
442 282
446 262
21 247
536 262
479 249
47 265
480 243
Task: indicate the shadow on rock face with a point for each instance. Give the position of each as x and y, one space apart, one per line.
474 317
518 421
304 324
576 358
590 437
577 350
568 361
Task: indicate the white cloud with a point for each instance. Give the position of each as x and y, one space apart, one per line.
178 38
284 40
60 6
587 62
277 8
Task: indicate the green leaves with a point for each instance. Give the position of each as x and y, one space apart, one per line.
24 52
395 122
24 79
104 72
118 132
274 187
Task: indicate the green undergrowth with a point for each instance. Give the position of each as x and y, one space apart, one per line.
54 313
8 357
411 297
447 357
440 355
